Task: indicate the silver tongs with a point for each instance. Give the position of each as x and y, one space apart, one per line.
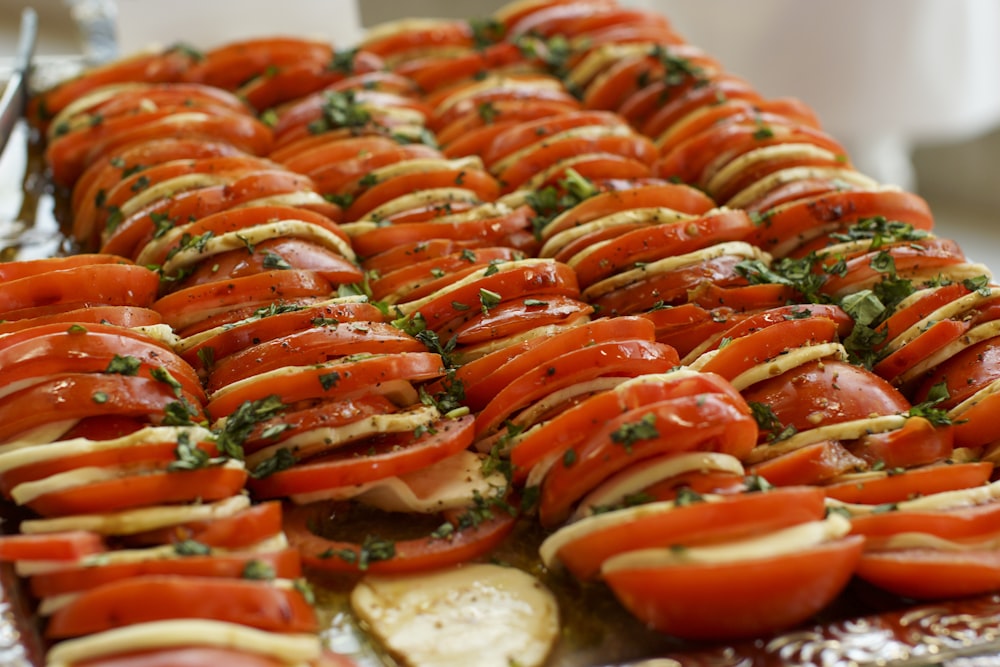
15 94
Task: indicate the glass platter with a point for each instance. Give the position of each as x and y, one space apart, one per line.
864 627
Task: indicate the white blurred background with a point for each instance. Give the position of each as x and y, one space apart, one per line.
910 86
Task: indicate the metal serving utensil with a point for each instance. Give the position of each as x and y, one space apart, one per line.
15 95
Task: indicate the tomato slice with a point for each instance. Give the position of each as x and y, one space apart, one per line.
188 306
500 112
371 460
337 177
615 357
917 443
322 554
126 602
65 546
316 345
432 73
518 315
292 81
705 422
154 485
110 284
230 65
931 574
896 486
76 396
741 599
812 464
342 378
241 530
283 564
582 547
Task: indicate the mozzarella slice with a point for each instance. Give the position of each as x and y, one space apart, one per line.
130 522
849 177
935 502
849 430
481 614
39 435
787 361
297 650
74 115
170 187
778 543
723 175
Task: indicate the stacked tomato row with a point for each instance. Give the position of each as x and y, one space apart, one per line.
531 262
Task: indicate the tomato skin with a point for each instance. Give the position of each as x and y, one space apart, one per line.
285 563
356 465
706 422
72 396
126 602
902 486
413 555
748 598
812 464
67 546
930 574
917 443
827 392
732 517
155 487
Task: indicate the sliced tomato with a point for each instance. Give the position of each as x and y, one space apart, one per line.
917 443
339 176
342 378
937 336
826 392
322 554
711 521
374 459
421 278
112 284
282 564
234 63
315 345
76 396
64 546
897 486
126 317
518 315
142 488
706 422
244 529
187 307
501 111
812 464
127 602
615 357
741 599
432 73
931 574
478 181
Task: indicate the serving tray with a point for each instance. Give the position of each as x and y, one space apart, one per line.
865 627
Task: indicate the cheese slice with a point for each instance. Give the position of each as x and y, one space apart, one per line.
493 82
130 522
849 430
786 362
478 614
292 649
38 435
423 165
789 540
75 114
168 188
935 502
850 177
725 174
599 59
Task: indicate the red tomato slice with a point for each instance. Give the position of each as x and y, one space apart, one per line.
501 111
930 574
894 487
714 521
187 307
327 149
910 259
76 396
688 325
238 531
827 392
518 315
270 323
658 241
230 65
747 598
65 546
77 287
478 181
501 229
707 422
284 564
413 555
316 345
937 336
340 379
374 459
812 464
529 132
485 377
127 602
340 176
918 443
421 278
126 317
142 488
617 357
433 73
